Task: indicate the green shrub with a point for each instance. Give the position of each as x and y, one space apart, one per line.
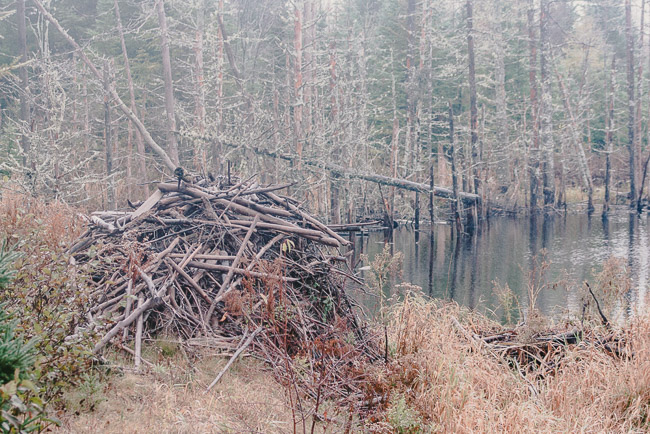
15 355
7 257
402 418
52 303
49 297
21 409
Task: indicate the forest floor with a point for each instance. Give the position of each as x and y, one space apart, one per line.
436 381
171 398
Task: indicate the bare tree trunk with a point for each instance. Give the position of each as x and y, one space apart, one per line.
473 109
639 118
335 203
308 41
577 143
422 114
639 200
411 102
639 86
297 82
276 107
86 135
394 138
432 209
410 81
24 84
546 111
129 155
534 105
560 196
455 202
501 104
342 172
217 149
609 128
639 203
129 80
631 104
485 172
169 84
648 129
199 97
108 143
429 121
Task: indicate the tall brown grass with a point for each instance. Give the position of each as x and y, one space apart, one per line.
33 223
454 386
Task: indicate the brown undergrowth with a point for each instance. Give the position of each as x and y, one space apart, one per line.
441 380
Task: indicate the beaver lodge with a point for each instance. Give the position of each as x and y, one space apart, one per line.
235 266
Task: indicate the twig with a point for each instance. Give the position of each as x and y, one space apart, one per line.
482 345
150 303
127 309
600 311
231 272
234 357
138 337
131 352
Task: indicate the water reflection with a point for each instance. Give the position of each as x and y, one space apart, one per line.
465 268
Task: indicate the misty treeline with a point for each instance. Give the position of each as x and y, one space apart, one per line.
364 104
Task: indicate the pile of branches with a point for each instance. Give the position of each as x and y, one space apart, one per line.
542 353
226 263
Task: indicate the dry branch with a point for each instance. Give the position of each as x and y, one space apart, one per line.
235 356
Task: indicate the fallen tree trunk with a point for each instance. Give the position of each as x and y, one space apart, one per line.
447 193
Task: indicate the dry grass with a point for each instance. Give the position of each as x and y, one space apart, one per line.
28 220
453 385
171 399
436 381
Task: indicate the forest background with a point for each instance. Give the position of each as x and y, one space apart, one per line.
518 101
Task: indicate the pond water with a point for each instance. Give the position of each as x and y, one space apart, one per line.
505 250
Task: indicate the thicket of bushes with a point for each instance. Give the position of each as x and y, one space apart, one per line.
21 407
43 307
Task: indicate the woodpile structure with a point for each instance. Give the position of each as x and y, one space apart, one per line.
538 354
236 264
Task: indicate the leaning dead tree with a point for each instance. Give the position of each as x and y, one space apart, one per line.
150 142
